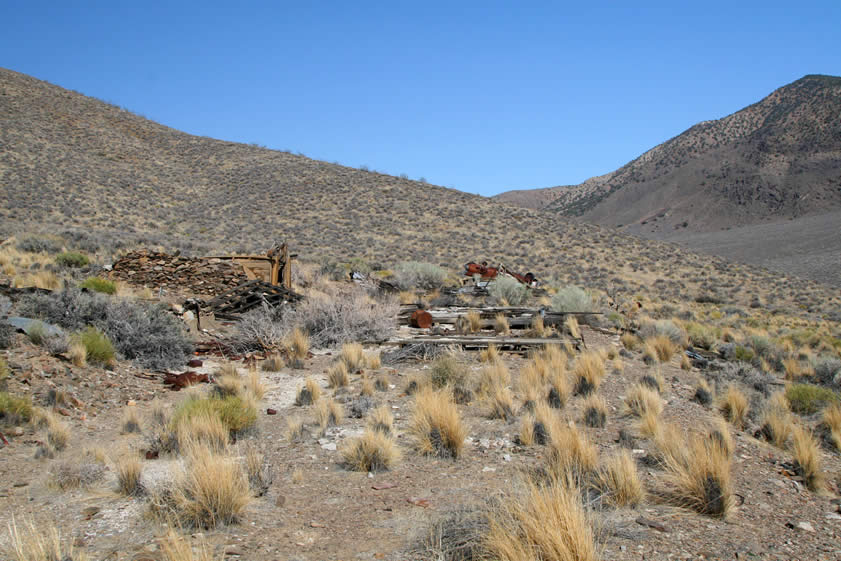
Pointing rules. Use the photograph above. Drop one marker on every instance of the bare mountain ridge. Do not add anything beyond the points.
(73, 163)
(779, 158)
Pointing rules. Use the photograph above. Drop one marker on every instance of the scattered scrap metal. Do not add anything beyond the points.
(487, 272)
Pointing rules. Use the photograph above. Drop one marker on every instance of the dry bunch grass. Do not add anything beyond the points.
(381, 419)
(203, 428)
(570, 452)
(618, 481)
(571, 325)
(254, 385)
(491, 354)
(697, 471)
(436, 424)
(130, 422)
(776, 426)
(273, 363)
(299, 345)
(58, 433)
(501, 403)
(588, 372)
(538, 328)
(559, 389)
(328, 413)
(501, 326)
(494, 375)
(128, 469)
(309, 393)
(630, 341)
(373, 451)
(338, 376)
(211, 489)
(734, 406)
(474, 321)
(353, 357)
(659, 348)
(31, 543)
(641, 399)
(367, 387)
(77, 353)
(294, 429)
(831, 420)
(542, 521)
(807, 458)
(175, 548)
(595, 411)
(373, 360)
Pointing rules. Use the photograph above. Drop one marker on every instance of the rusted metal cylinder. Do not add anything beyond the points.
(421, 319)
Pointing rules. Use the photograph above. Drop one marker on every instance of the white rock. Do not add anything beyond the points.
(487, 469)
(833, 516)
(507, 457)
(805, 526)
(329, 446)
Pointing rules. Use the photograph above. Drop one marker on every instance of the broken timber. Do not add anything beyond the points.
(247, 296)
(480, 341)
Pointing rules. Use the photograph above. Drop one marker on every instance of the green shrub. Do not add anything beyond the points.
(97, 284)
(72, 259)
(742, 353)
(572, 299)
(509, 289)
(235, 413)
(98, 346)
(37, 333)
(446, 370)
(701, 336)
(14, 410)
(807, 398)
(424, 276)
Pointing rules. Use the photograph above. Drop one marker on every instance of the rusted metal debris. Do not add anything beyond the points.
(178, 382)
(487, 272)
(420, 319)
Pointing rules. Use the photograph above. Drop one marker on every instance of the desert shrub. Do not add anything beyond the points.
(738, 353)
(828, 371)
(381, 420)
(145, 333)
(259, 471)
(7, 335)
(98, 347)
(262, 326)
(572, 299)
(40, 543)
(333, 319)
(130, 423)
(806, 399)
(508, 289)
(375, 450)
(618, 481)
(665, 328)
(831, 424)
(39, 244)
(72, 259)
(701, 335)
(14, 410)
(776, 426)
(414, 275)
(328, 413)
(97, 284)
(541, 521)
(436, 424)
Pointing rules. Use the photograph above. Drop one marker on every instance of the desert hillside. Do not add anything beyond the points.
(71, 163)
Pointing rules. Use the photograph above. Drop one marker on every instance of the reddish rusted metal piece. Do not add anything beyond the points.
(179, 381)
(420, 319)
(472, 269)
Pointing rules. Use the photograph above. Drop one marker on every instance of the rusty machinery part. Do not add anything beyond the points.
(420, 319)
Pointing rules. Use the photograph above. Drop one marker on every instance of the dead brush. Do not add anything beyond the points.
(641, 399)
(588, 373)
(501, 326)
(570, 452)
(618, 481)
(381, 420)
(128, 469)
(328, 413)
(373, 451)
(595, 411)
(337, 375)
(352, 357)
(541, 521)
(73, 474)
(436, 424)
(734, 406)
(309, 393)
(697, 474)
(42, 543)
(157, 415)
(130, 422)
(211, 489)
(807, 458)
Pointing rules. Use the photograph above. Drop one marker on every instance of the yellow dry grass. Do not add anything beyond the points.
(807, 458)
(571, 325)
(474, 321)
(175, 548)
(77, 353)
(490, 354)
(273, 363)
(40, 543)
(352, 356)
(493, 375)
(299, 345)
(618, 481)
(337, 375)
(373, 451)
(308, 393)
(570, 452)
(328, 413)
(660, 348)
(128, 469)
(831, 419)
(501, 326)
(542, 521)
(436, 424)
(588, 372)
(381, 419)
(734, 406)
(642, 399)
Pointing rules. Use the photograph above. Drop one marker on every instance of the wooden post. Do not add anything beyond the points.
(275, 274)
(287, 266)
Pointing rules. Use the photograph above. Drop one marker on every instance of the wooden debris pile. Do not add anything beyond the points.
(201, 276)
(247, 296)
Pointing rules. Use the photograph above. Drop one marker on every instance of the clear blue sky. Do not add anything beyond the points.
(480, 96)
